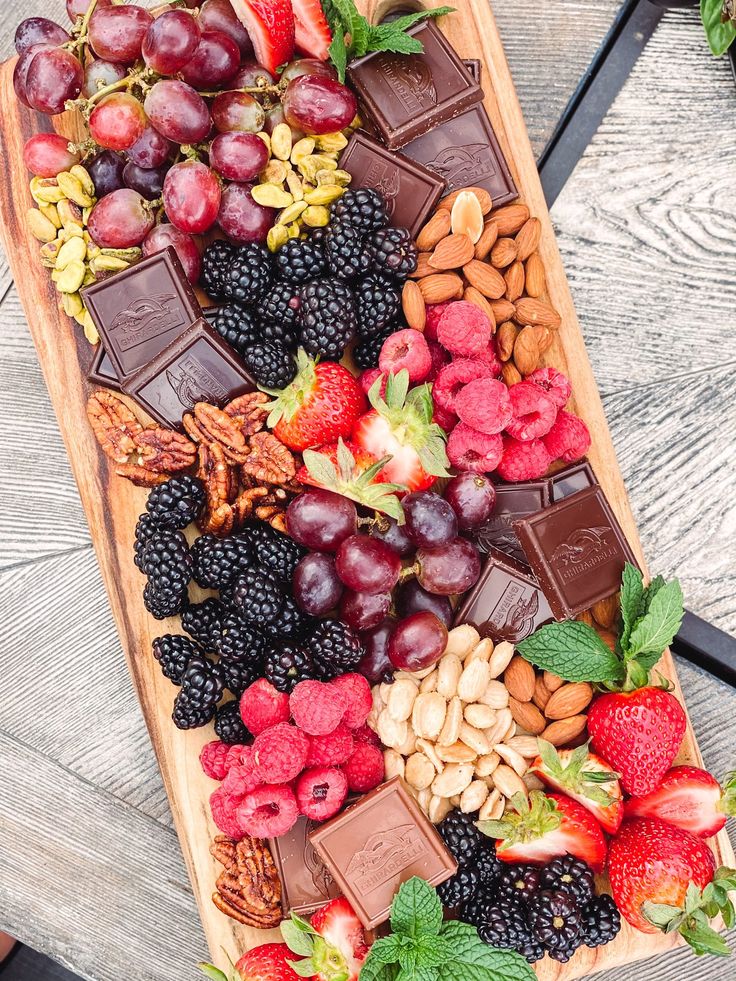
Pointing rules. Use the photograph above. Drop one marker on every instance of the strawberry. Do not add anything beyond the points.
(334, 942)
(586, 778)
(313, 35)
(639, 733)
(400, 426)
(270, 26)
(268, 962)
(689, 798)
(652, 861)
(322, 403)
(363, 460)
(545, 826)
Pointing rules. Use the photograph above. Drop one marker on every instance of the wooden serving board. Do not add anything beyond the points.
(112, 504)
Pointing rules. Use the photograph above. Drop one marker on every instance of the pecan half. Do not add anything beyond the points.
(115, 427)
(140, 476)
(216, 474)
(193, 429)
(164, 450)
(218, 427)
(249, 888)
(269, 461)
(249, 412)
(219, 521)
(246, 502)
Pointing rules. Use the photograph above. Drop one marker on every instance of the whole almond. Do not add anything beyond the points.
(485, 278)
(503, 310)
(474, 296)
(563, 731)
(605, 611)
(510, 374)
(545, 338)
(466, 216)
(484, 199)
(423, 267)
(434, 231)
(487, 240)
(527, 238)
(510, 218)
(519, 678)
(503, 253)
(505, 339)
(514, 277)
(608, 637)
(552, 681)
(536, 280)
(526, 351)
(569, 700)
(452, 252)
(536, 313)
(440, 287)
(586, 617)
(528, 716)
(541, 693)
(413, 305)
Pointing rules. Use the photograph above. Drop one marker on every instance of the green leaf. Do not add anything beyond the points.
(373, 970)
(305, 968)
(386, 949)
(416, 909)
(720, 35)
(572, 650)
(417, 973)
(632, 600)
(212, 972)
(489, 964)
(660, 914)
(296, 938)
(397, 43)
(432, 950)
(705, 940)
(408, 20)
(656, 629)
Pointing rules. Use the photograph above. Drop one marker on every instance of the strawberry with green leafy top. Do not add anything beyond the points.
(689, 798)
(586, 778)
(268, 962)
(333, 944)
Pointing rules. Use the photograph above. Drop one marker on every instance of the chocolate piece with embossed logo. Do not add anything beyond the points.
(306, 882)
(411, 191)
(572, 479)
(101, 370)
(199, 366)
(378, 843)
(577, 551)
(142, 309)
(404, 96)
(506, 603)
(512, 501)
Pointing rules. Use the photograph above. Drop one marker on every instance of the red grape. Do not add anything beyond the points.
(252, 75)
(151, 149)
(147, 181)
(183, 244)
(170, 41)
(38, 30)
(388, 530)
(238, 156)
(191, 196)
(106, 171)
(307, 66)
(367, 565)
(362, 611)
(120, 220)
(450, 569)
(375, 664)
(54, 75)
(116, 33)
(218, 15)
(177, 111)
(237, 111)
(47, 154)
(318, 105)
(214, 62)
(430, 521)
(472, 497)
(117, 121)
(417, 642)
(98, 74)
(320, 519)
(20, 72)
(316, 588)
(412, 598)
(78, 8)
(241, 218)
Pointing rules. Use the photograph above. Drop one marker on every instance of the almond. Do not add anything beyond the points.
(503, 253)
(514, 277)
(452, 252)
(503, 310)
(541, 693)
(544, 337)
(585, 617)
(466, 216)
(505, 337)
(526, 351)
(413, 305)
(605, 611)
(510, 374)
(423, 266)
(485, 243)
(536, 313)
(510, 218)
(536, 280)
(434, 231)
(552, 681)
(485, 278)
(519, 678)
(528, 716)
(565, 730)
(484, 199)
(569, 700)
(440, 287)
(527, 238)
(474, 296)
(608, 638)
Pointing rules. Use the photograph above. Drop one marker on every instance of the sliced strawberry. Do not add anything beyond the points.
(689, 798)
(363, 460)
(545, 826)
(270, 26)
(586, 778)
(337, 923)
(313, 35)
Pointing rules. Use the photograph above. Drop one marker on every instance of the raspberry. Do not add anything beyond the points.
(453, 377)
(364, 734)
(439, 357)
(280, 753)
(268, 811)
(321, 792)
(368, 378)
(464, 329)
(364, 769)
(468, 449)
(554, 383)
(523, 461)
(534, 412)
(489, 357)
(240, 780)
(214, 759)
(435, 312)
(262, 706)
(568, 439)
(317, 707)
(332, 749)
(484, 404)
(444, 418)
(356, 693)
(406, 349)
(239, 755)
(224, 807)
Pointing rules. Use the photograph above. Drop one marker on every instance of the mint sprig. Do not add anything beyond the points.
(691, 920)
(719, 22)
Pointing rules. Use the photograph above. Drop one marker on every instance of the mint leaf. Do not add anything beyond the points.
(632, 600)
(408, 20)
(720, 36)
(572, 650)
(493, 965)
(398, 43)
(416, 909)
(432, 951)
(417, 973)
(373, 970)
(338, 51)
(656, 629)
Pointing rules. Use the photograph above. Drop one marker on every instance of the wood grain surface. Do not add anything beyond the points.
(60, 637)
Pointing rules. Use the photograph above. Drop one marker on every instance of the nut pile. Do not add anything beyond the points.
(249, 888)
(488, 257)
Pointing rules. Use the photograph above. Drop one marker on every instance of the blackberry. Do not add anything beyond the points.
(217, 561)
(477, 909)
(556, 920)
(571, 875)
(201, 690)
(459, 888)
(361, 207)
(250, 274)
(299, 261)
(287, 665)
(346, 254)
(278, 552)
(203, 622)
(236, 325)
(378, 302)
(239, 641)
(145, 527)
(163, 603)
(393, 252)
(517, 882)
(239, 675)
(505, 925)
(215, 266)
(229, 726)
(257, 595)
(327, 318)
(368, 349)
(601, 921)
(281, 306)
(488, 865)
(272, 365)
(459, 833)
(186, 716)
(334, 648)
(173, 652)
(176, 503)
(167, 561)
(291, 623)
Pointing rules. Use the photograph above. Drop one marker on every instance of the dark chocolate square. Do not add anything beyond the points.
(512, 501)
(101, 371)
(473, 66)
(306, 882)
(569, 481)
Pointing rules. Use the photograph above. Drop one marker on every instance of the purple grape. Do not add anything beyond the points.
(316, 587)
(388, 530)
(106, 171)
(411, 597)
(375, 664)
(148, 182)
(38, 30)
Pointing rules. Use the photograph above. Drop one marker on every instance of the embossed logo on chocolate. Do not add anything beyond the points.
(385, 855)
(146, 317)
(584, 549)
(411, 80)
(386, 179)
(499, 533)
(462, 166)
(193, 383)
(321, 875)
(513, 615)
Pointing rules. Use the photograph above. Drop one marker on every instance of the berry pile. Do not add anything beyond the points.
(317, 293)
(301, 753)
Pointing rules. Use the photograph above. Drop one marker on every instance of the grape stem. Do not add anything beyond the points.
(409, 572)
(249, 90)
(82, 29)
